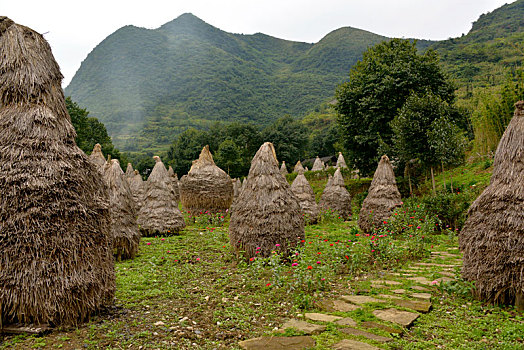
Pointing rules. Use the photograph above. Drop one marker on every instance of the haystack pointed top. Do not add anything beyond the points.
(283, 168)
(317, 165)
(97, 157)
(264, 161)
(298, 167)
(204, 159)
(338, 179)
(129, 171)
(341, 162)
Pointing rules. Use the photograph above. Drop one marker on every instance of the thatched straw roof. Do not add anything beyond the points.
(383, 197)
(206, 187)
(174, 183)
(283, 169)
(137, 187)
(266, 212)
(336, 197)
(130, 172)
(306, 198)
(317, 165)
(124, 227)
(298, 167)
(56, 263)
(97, 157)
(341, 162)
(492, 239)
(159, 213)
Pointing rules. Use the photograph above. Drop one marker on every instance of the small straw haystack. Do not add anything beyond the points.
(56, 264)
(206, 187)
(298, 168)
(130, 172)
(306, 198)
(341, 162)
(383, 197)
(266, 216)
(492, 239)
(97, 157)
(124, 227)
(159, 213)
(283, 169)
(237, 186)
(317, 165)
(174, 181)
(137, 187)
(336, 197)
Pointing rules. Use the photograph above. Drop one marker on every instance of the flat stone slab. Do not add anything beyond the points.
(433, 264)
(404, 318)
(371, 324)
(421, 280)
(348, 344)
(337, 305)
(368, 335)
(417, 305)
(446, 273)
(387, 296)
(386, 283)
(399, 291)
(422, 289)
(423, 296)
(346, 321)
(278, 343)
(360, 299)
(321, 317)
(303, 326)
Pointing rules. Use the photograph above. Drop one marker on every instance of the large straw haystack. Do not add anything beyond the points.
(174, 183)
(306, 198)
(159, 213)
(341, 162)
(283, 169)
(492, 239)
(97, 157)
(317, 165)
(130, 172)
(56, 264)
(137, 186)
(266, 214)
(383, 197)
(336, 197)
(206, 187)
(124, 227)
(298, 167)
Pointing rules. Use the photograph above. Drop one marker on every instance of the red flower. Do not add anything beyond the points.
(268, 285)
(310, 267)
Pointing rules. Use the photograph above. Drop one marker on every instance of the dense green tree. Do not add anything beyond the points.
(290, 138)
(378, 87)
(186, 148)
(228, 158)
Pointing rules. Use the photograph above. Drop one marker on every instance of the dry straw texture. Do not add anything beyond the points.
(124, 227)
(283, 169)
(306, 198)
(341, 162)
(383, 197)
(336, 196)
(266, 212)
(130, 172)
(174, 183)
(56, 263)
(298, 167)
(492, 239)
(206, 187)
(137, 186)
(317, 165)
(97, 157)
(159, 213)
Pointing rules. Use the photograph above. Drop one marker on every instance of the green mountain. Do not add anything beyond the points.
(147, 86)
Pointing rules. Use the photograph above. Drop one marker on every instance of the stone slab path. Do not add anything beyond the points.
(395, 300)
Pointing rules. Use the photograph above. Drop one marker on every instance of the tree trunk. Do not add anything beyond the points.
(410, 187)
(433, 182)
(443, 176)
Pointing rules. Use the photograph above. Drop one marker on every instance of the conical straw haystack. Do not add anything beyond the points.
(130, 172)
(159, 213)
(137, 186)
(383, 197)
(283, 169)
(206, 187)
(306, 198)
(492, 239)
(336, 196)
(298, 167)
(97, 157)
(174, 183)
(266, 215)
(237, 186)
(317, 165)
(124, 227)
(56, 263)
(341, 162)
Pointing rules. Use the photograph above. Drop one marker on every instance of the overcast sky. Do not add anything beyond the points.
(74, 28)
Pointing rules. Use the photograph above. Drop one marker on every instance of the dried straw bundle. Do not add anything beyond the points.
(306, 198)
(174, 183)
(341, 162)
(56, 264)
(298, 167)
(237, 186)
(97, 157)
(159, 213)
(137, 187)
(492, 239)
(336, 197)
(317, 165)
(130, 172)
(266, 212)
(206, 187)
(383, 197)
(283, 169)
(124, 227)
